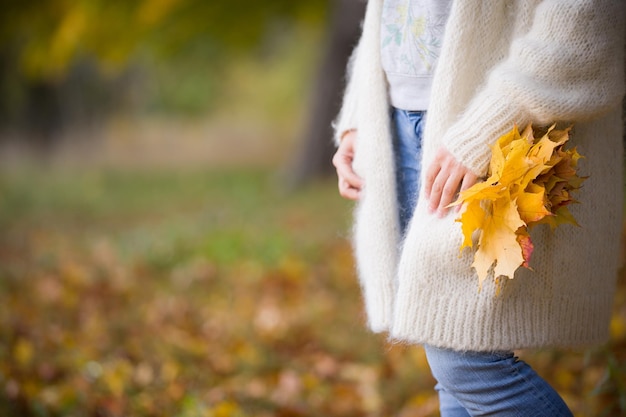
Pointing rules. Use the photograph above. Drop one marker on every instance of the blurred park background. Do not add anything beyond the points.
(171, 241)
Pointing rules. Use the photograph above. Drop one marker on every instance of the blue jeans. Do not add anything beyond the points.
(408, 128)
(468, 383)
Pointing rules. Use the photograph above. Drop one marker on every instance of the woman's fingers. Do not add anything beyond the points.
(348, 191)
(347, 174)
(350, 184)
(445, 177)
(431, 176)
(468, 180)
(450, 191)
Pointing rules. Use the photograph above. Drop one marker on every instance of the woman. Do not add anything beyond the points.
(500, 63)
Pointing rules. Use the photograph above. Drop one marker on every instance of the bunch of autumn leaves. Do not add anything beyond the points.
(530, 182)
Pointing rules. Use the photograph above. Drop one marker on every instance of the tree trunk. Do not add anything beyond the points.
(313, 158)
(43, 118)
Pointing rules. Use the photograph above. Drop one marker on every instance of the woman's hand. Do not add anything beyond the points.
(350, 183)
(444, 179)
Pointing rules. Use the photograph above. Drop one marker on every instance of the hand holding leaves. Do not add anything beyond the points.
(530, 182)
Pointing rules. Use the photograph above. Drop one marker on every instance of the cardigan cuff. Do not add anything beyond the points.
(487, 118)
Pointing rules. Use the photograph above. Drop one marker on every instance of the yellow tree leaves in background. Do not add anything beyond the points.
(67, 64)
(50, 36)
(530, 182)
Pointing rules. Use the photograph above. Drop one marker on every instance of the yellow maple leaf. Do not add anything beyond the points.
(472, 218)
(531, 204)
(530, 182)
(498, 242)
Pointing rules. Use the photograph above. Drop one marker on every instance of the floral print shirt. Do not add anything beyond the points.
(411, 37)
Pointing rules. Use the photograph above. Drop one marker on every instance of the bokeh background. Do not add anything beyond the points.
(171, 239)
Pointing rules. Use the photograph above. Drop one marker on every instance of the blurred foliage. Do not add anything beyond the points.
(270, 82)
(74, 63)
(47, 36)
(205, 293)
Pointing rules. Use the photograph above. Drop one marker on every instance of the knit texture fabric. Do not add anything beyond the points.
(502, 63)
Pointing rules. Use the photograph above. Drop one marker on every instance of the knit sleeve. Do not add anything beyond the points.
(346, 120)
(569, 66)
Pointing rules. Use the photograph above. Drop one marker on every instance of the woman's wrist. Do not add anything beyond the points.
(346, 133)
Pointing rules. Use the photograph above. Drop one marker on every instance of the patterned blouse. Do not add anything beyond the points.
(411, 36)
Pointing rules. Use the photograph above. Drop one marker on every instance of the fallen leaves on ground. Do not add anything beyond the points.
(211, 294)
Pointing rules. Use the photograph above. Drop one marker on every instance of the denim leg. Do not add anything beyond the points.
(448, 405)
(407, 144)
(493, 384)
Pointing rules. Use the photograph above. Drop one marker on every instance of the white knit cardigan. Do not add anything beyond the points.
(502, 62)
